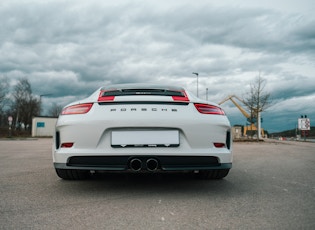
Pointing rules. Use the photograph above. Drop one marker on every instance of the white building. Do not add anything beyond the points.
(43, 126)
(237, 132)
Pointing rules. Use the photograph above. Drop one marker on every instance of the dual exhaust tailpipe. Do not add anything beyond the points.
(137, 164)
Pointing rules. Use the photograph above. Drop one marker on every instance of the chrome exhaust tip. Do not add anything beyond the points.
(152, 164)
(135, 164)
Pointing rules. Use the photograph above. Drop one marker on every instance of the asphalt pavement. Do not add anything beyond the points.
(271, 186)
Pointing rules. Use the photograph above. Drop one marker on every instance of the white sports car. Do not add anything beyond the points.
(142, 128)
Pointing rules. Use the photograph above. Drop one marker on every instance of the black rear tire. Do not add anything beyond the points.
(215, 174)
(72, 174)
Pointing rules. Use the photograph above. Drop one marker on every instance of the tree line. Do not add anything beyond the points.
(21, 104)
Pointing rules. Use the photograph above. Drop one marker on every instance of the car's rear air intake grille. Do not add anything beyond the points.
(166, 162)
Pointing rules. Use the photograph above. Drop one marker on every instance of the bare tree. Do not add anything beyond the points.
(55, 110)
(4, 89)
(25, 105)
(4, 85)
(257, 101)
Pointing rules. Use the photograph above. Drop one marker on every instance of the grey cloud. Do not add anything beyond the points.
(71, 48)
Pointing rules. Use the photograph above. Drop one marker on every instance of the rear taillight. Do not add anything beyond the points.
(209, 109)
(184, 97)
(77, 109)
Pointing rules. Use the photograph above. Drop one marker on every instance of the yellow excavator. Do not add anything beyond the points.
(252, 126)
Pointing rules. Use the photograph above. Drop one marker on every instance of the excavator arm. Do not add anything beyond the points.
(252, 125)
(236, 104)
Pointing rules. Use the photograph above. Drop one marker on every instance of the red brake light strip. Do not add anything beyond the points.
(181, 98)
(101, 97)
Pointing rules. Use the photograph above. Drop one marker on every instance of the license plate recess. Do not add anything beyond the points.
(145, 138)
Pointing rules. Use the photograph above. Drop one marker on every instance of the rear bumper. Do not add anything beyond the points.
(122, 163)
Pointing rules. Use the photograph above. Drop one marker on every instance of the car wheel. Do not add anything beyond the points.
(213, 174)
(72, 174)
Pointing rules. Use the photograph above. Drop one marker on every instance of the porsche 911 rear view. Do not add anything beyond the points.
(142, 128)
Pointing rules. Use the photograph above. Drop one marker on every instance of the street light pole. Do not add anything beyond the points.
(207, 94)
(197, 83)
(40, 101)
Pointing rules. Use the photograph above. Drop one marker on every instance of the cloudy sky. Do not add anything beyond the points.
(70, 48)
